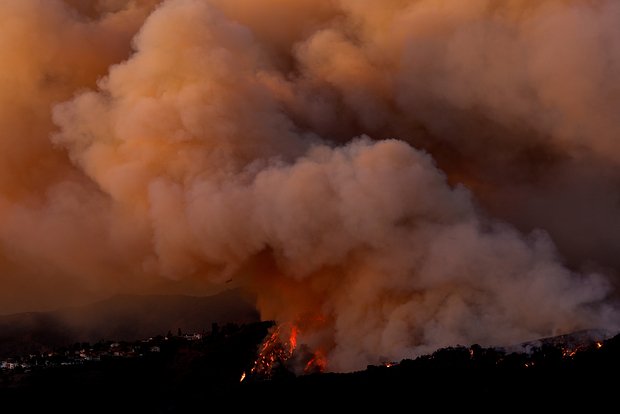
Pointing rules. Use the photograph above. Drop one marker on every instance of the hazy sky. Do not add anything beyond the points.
(390, 175)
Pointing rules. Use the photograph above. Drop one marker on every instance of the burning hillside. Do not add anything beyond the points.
(280, 351)
(570, 344)
(199, 373)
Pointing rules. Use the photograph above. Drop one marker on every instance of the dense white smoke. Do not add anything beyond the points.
(390, 176)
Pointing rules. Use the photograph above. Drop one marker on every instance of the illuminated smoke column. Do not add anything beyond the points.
(388, 177)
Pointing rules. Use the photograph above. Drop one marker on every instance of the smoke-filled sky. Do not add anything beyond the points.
(391, 176)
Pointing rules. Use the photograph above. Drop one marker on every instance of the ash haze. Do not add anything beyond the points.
(391, 176)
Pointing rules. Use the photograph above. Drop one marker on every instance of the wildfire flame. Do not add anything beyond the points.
(317, 363)
(278, 348)
(274, 351)
(569, 353)
(293, 338)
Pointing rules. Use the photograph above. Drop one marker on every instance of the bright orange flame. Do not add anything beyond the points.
(272, 352)
(279, 347)
(293, 338)
(275, 350)
(599, 345)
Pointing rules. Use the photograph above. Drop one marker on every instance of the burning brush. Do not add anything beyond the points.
(280, 351)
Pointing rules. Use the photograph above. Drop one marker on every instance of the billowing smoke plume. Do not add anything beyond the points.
(390, 176)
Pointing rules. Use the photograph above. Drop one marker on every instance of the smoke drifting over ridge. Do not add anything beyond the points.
(392, 176)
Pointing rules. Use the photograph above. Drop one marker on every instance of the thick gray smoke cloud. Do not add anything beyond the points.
(389, 176)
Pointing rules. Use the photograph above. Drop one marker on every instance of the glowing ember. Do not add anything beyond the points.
(390, 364)
(568, 353)
(242, 377)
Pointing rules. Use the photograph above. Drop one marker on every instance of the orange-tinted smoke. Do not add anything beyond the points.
(390, 176)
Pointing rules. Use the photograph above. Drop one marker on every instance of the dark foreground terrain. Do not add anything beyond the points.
(180, 373)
